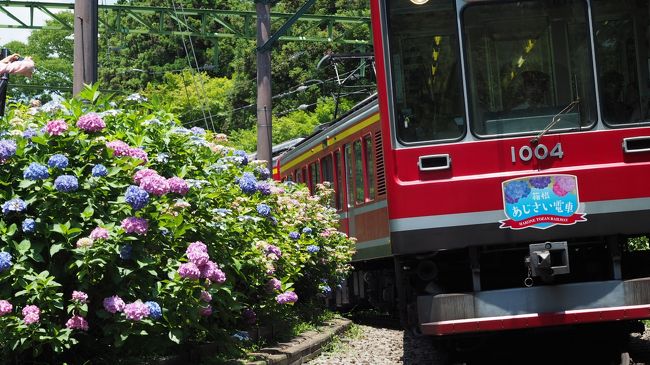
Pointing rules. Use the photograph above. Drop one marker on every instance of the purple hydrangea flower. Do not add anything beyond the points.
(294, 235)
(5, 261)
(287, 297)
(212, 272)
(136, 197)
(99, 233)
(135, 225)
(248, 183)
(197, 130)
(91, 122)
(155, 184)
(99, 170)
(313, 248)
(66, 183)
(113, 304)
(58, 161)
(263, 172)
(120, 148)
(189, 270)
(242, 157)
(540, 182)
(29, 133)
(155, 311)
(29, 225)
(273, 250)
(306, 230)
(263, 210)
(205, 296)
(36, 171)
(138, 153)
(263, 187)
(249, 316)
(7, 148)
(16, 205)
(274, 285)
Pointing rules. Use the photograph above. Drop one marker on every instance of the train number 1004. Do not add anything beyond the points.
(540, 152)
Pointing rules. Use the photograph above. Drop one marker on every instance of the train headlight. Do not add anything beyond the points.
(419, 2)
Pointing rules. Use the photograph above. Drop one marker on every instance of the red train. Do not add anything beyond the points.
(501, 175)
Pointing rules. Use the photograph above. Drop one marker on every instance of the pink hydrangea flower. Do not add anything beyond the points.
(138, 153)
(31, 314)
(77, 322)
(199, 258)
(136, 311)
(205, 296)
(212, 272)
(135, 225)
(56, 127)
(119, 148)
(79, 296)
(141, 174)
(189, 271)
(206, 311)
(197, 246)
(113, 304)
(178, 185)
(99, 233)
(5, 307)
(91, 122)
(155, 184)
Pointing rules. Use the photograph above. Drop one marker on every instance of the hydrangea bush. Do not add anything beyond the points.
(124, 233)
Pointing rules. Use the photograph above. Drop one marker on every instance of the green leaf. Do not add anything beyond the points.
(175, 335)
(88, 212)
(55, 248)
(23, 247)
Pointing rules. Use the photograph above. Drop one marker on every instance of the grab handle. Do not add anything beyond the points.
(636, 144)
(434, 162)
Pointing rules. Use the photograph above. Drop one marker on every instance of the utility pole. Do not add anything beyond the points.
(85, 44)
(4, 84)
(264, 144)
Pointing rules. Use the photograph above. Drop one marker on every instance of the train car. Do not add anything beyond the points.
(500, 180)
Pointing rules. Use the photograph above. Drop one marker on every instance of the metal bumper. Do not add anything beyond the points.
(542, 306)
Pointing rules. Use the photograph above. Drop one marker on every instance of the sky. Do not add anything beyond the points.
(10, 34)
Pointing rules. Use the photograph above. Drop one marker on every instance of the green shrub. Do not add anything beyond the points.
(132, 238)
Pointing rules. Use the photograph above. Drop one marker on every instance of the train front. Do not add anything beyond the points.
(518, 163)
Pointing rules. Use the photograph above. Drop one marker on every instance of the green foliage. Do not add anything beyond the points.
(638, 243)
(254, 229)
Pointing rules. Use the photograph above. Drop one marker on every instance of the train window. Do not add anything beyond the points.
(370, 166)
(314, 176)
(328, 175)
(622, 34)
(339, 179)
(529, 64)
(427, 87)
(360, 194)
(349, 172)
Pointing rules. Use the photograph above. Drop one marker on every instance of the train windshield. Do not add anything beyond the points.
(622, 35)
(529, 64)
(426, 72)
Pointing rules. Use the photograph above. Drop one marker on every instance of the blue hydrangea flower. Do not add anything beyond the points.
(162, 157)
(294, 235)
(66, 183)
(241, 156)
(263, 209)
(99, 170)
(326, 289)
(154, 309)
(248, 183)
(198, 131)
(313, 248)
(264, 187)
(14, 205)
(241, 336)
(306, 230)
(58, 161)
(222, 211)
(29, 133)
(137, 197)
(126, 252)
(7, 148)
(5, 261)
(36, 171)
(29, 225)
(263, 172)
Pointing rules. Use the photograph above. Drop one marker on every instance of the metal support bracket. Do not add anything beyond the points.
(285, 27)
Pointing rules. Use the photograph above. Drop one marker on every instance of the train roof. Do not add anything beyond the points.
(324, 129)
